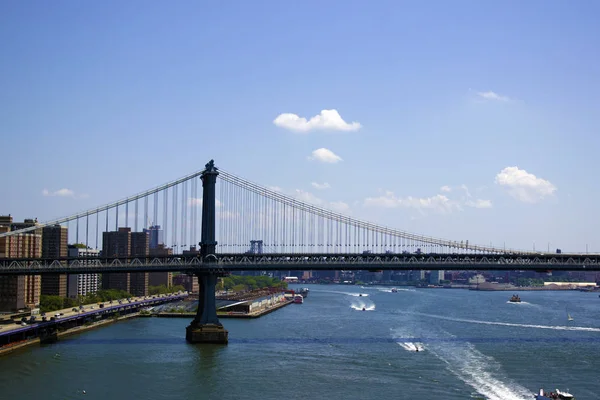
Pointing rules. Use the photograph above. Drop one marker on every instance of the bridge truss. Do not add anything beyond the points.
(224, 263)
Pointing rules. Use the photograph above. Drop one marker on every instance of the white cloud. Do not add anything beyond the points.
(339, 206)
(274, 188)
(307, 197)
(489, 95)
(325, 155)
(320, 186)
(524, 186)
(479, 203)
(63, 193)
(438, 203)
(326, 120)
(227, 215)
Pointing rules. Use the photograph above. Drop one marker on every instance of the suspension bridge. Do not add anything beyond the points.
(260, 229)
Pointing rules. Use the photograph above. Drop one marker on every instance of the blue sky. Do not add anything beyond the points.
(107, 99)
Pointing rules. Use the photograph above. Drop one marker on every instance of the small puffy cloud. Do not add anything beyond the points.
(493, 96)
(307, 197)
(479, 203)
(320, 186)
(326, 120)
(475, 203)
(523, 185)
(60, 193)
(446, 189)
(325, 155)
(438, 203)
(339, 206)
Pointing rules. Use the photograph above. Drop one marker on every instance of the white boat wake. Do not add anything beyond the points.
(346, 293)
(553, 327)
(483, 373)
(398, 290)
(410, 346)
(362, 306)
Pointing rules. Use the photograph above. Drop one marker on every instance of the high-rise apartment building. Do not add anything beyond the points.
(435, 277)
(116, 244)
(19, 292)
(82, 284)
(140, 247)
(124, 243)
(155, 236)
(54, 245)
(160, 278)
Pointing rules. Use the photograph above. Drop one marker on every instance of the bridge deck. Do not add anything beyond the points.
(224, 263)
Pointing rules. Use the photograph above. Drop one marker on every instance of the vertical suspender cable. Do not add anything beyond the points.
(135, 216)
(165, 216)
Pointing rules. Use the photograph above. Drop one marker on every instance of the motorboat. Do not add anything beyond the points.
(515, 298)
(558, 395)
(394, 290)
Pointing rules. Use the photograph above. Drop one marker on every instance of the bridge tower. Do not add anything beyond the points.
(206, 327)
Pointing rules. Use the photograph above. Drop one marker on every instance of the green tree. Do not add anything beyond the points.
(51, 303)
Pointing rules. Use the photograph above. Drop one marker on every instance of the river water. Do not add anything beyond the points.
(473, 345)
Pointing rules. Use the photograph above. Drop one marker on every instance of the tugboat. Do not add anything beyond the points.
(558, 395)
(394, 290)
(515, 298)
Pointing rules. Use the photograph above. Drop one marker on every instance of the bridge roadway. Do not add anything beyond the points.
(88, 310)
(223, 263)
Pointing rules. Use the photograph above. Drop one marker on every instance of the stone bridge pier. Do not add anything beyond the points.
(206, 328)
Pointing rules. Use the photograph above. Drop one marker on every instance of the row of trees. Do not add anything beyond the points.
(163, 289)
(239, 283)
(53, 303)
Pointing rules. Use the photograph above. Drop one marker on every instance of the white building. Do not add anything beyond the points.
(82, 284)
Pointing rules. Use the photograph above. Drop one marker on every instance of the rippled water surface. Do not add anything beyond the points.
(471, 345)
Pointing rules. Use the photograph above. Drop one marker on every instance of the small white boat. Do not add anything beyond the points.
(298, 299)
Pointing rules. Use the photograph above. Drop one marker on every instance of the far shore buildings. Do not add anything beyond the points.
(124, 243)
(54, 245)
(82, 284)
(20, 292)
(160, 278)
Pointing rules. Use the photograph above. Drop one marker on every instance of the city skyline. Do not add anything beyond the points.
(438, 121)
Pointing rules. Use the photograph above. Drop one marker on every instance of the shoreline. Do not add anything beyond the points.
(16, 346)
(12, 347)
